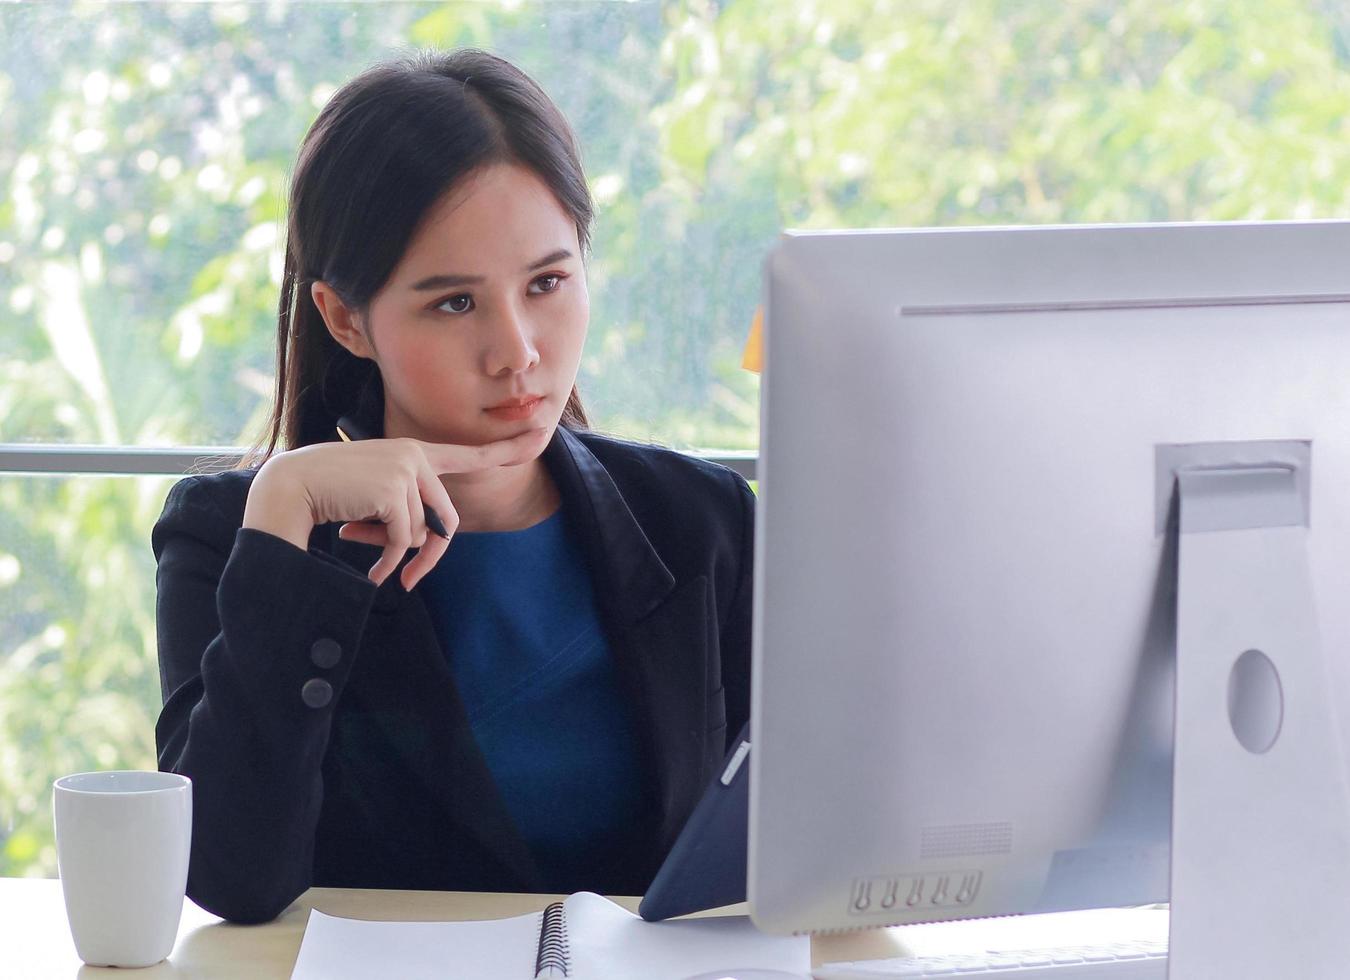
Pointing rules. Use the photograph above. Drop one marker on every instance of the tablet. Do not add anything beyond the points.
(706, 867)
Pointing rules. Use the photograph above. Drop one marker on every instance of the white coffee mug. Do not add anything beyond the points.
(122, 845)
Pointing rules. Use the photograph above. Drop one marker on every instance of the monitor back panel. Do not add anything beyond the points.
(962, 699)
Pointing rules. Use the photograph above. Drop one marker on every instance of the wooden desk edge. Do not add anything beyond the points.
(33, 911)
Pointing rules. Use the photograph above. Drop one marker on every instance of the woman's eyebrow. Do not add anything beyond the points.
(446, 281)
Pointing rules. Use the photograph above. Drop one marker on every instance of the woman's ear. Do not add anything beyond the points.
(341, 321)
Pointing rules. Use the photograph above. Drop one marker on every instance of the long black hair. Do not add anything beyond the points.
(381, 152)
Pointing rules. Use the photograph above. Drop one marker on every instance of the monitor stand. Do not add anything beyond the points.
(1260, 877)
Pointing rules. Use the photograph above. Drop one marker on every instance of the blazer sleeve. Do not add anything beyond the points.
(735, 639)
(246, 622)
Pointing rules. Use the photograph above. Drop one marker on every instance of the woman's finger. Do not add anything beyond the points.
(364, 532)
(399, 528)
(445, 457)
(435, 499)
(434, 496)
(417, 516)
(425, 560)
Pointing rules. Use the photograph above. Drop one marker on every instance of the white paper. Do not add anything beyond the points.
(606, 940)
(335, 948)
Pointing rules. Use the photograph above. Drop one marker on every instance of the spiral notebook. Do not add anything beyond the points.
(584, 937)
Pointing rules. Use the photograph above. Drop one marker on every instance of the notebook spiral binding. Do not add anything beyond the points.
(553, 951)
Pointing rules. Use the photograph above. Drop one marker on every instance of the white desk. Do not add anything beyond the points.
(35, 941)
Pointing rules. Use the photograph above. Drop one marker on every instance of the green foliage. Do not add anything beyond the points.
(145, 150)
(78, 679)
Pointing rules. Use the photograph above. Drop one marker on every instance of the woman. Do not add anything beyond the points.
(533, 702)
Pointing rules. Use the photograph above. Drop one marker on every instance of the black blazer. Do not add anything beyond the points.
(318, 720)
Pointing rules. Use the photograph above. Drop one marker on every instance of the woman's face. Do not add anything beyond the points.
(487, 306)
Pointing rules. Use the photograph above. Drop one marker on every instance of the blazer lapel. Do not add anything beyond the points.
(659, 632)
(664, 661)
(401, 679)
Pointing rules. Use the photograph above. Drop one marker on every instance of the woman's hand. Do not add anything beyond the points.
(375, 480)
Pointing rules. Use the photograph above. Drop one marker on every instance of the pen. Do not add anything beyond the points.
(350, 431)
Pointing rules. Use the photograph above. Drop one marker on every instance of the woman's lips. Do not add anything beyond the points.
(515, 411)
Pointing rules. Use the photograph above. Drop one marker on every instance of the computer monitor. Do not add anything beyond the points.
(967, 599)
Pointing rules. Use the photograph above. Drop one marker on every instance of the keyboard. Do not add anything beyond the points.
(1133, 960)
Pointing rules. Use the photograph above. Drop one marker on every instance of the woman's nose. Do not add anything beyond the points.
(512, 349)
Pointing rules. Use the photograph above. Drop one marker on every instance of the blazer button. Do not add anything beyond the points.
(317, 692)
(325, 653)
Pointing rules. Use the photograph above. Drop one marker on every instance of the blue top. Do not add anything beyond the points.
(515, 613)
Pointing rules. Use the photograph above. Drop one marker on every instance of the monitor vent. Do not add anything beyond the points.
(958, 840)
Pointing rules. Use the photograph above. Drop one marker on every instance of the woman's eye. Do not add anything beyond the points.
(460, 303)
(546, 284)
